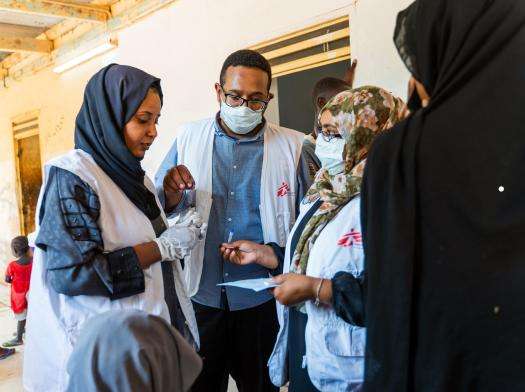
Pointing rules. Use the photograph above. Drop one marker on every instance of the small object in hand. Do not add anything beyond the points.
(237, 249)
(230, 237)
(191, 198)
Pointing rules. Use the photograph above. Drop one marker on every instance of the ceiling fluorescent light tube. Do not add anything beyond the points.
(83, 57)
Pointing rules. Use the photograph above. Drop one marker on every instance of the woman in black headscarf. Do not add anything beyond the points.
(101, 231)
(445, 268)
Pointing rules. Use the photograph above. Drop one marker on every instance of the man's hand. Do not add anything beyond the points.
(248, 252)
(294, 288)
(177, 180)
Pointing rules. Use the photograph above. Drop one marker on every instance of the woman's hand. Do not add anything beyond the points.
(294, 288)
(178, 240)
(248, 252)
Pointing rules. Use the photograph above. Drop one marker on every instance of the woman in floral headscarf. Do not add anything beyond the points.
(326, 239)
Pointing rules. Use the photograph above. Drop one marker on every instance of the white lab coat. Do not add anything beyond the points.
(282, 152)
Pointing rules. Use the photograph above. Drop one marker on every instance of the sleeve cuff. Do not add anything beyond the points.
(126, 274)
(279, 253)
(348, 298)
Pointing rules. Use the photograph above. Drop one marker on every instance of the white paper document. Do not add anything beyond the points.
(252, 284)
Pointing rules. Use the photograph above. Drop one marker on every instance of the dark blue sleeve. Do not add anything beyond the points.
(349, 297)
(69, 234)
(279, 253)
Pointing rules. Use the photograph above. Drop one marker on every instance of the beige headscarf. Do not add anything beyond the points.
(360, 116)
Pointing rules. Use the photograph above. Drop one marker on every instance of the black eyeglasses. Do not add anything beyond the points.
(327, 137)
(234, 101)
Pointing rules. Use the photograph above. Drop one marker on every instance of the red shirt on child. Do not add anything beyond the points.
(19, 275)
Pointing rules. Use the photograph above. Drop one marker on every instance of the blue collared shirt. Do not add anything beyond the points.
(236, 183)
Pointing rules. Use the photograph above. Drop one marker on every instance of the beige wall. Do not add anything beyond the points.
(185, 45)
(57, 99)
(372, 25)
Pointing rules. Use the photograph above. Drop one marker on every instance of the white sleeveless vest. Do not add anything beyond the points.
(282, 151)
(334, 349)
(54, 320)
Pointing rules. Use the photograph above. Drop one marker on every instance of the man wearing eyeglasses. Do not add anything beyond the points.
(246, 178)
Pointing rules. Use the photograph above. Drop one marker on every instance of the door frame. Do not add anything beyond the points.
(23, 126)
(327, 56)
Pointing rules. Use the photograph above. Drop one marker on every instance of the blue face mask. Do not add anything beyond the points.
(331, 154)
(241, 120)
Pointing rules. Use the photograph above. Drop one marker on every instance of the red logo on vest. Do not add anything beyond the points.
(283, 190)
(350, 239)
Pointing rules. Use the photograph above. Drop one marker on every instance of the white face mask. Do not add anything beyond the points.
(331, 154)
(241, 120)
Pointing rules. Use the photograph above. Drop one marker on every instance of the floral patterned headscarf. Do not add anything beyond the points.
(360, 115)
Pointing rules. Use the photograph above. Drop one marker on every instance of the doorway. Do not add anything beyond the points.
(298, 60)
(28, 169)
(296, 107)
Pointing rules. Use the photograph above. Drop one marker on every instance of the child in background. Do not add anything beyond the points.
(18, 274)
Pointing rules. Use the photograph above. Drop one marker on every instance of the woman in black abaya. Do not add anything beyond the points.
(445, 305)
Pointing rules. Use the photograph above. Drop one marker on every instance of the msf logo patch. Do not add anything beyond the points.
(283, 190)
(353, 238)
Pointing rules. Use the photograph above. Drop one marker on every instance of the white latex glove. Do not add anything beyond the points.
(177, 241)
(189, 217)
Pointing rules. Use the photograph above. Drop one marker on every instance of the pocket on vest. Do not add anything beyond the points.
(345, 341)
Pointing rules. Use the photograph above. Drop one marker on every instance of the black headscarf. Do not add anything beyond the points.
(112, 97)
(444, 208)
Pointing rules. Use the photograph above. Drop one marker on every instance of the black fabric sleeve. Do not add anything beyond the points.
(279, 253)
(70, 236)
(348, 297)
(304, 180)
(126, 273)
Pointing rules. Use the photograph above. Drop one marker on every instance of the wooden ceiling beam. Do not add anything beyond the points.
(20, 30)
(57, 9)
(70, 36)
(52, 34)
(25, 45)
